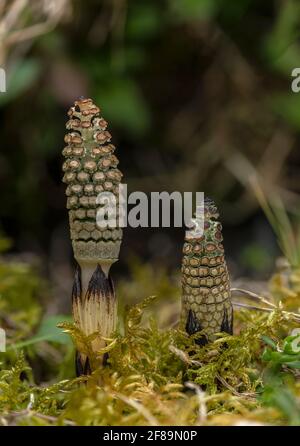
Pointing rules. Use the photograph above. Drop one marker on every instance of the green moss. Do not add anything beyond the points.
(155, 375)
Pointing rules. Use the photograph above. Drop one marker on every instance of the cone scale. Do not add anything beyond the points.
(206, 299)
(90, 168)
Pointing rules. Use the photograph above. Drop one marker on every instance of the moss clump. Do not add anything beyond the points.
(154, 375)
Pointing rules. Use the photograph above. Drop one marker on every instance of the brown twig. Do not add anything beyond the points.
(247, 395)
(294, 316)
(253, 296)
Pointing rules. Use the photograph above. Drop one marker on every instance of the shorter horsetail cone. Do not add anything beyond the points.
(206, 299)
(90, 168)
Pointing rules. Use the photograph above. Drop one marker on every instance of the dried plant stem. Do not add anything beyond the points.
(183, 356)
(29, 413)
(139, 408)
(15, 22)
(248, 395)
(202, 412)
(257, 298)
(251, 307)
(253, 296)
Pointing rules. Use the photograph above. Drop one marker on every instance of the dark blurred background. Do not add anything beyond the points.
(197, 94)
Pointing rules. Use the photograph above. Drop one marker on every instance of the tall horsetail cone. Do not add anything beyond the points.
(206, 299)
(90, 167)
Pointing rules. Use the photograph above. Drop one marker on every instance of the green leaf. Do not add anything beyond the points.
(294, 364)
(269, 341)
(290, 346)
(281, 357)
(281, 48)
(20, 77)
(278, 357)
(288, 405)
(122, 103)
(47, 332)
(49, 329)
(266, 356)
(143, 22)
(287, 106)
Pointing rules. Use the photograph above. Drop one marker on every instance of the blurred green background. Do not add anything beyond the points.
(197, 94)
